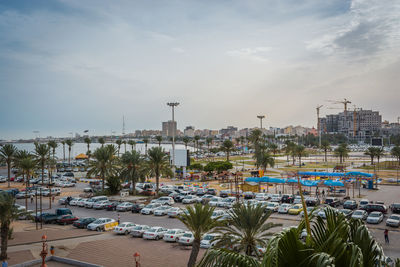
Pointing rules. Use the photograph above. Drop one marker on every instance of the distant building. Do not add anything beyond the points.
(389, 129)
(189, 131)
(168, 128)
(229, 131)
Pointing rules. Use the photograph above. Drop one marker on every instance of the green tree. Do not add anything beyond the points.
(227, 147)
(114, 185)
(198, 220)
(255, 137)
(300, 152)
(88, 141)
(63, 144)
(159, 139)
(103, 164)
(246, 228)
(69, 144)
(325, 146)
(264, 159)
(132, 167)
(41, 155)
(7, 154)
(53, 145)
(396, 153)
(342, 152)
(145, 141)
(8, 213)
(119, 143)
(158, 164)
(196, 144)
(186, 141)
(209, 141)
(132, 143)
(379, 153)
(124, 142)
(26, 165)
(371, 152)
(101, 141)
(273, 148)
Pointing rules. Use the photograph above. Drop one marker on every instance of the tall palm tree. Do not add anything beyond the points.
(7, 154)
(119, 143)
(273, 148)
(159, 139)
(263, 160)
(145, 141)
(336, 241)
(8, 213)
(88, 141)
(396, 153)
(371, 152)
(53, 145)
(342, 152)
(41, 155)
(27, 166)
(198, 220)
(124, 142)
(101, 141)
(103, 164)
(379, 153)
(300, 152)
(325, 146)
(69, 144)
(227, 147)
(132, 143)
(158, 164)
(196, 144)
(186, 141)
(246, 228)
(255, 136)
(132, 166)
(63, 144)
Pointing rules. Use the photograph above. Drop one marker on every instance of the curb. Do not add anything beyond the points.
(57, 239)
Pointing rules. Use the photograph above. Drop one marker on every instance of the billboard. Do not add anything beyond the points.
(182, 158)
(377, 141)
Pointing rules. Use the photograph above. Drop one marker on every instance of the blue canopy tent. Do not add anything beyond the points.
(333, 183)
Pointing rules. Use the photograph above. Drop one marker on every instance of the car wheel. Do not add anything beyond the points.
(157, 238)
(98, 229)
(65, 223)
(126, 232)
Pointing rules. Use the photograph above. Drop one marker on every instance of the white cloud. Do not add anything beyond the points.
(257, 53)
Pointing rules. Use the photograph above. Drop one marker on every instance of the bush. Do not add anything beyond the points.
(218, 166)
(114, 185)
(196, 166)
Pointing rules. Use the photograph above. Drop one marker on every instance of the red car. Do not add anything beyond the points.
(67, 219)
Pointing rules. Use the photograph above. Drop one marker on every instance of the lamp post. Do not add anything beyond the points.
(43, 253)
(173, 105)
(136, 256)
(261, 117)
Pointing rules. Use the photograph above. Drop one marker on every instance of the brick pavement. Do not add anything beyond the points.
(119, 252)
(19, 256)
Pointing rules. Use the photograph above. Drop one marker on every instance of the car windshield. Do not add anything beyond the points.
(138, 228)
(98, 221)
(374, 215)
(149, 206)
(348, 202)
(208, 237)
(163, 208)
(188, 235)
(395, 217)
(363, 202)
(214, 199)
(396, 206)
(123, 225)
(152, 230)
(171, 232)
(271, 205)
(358, 212)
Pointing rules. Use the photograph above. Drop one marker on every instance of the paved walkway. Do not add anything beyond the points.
(19, 256)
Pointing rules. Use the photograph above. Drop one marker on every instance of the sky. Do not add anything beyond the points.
(72, 65)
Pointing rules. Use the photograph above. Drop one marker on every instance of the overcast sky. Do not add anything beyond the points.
(71, 65)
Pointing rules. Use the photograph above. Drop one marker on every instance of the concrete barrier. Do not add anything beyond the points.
(110, 226)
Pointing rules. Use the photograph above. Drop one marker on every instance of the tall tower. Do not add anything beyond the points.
(123, 125)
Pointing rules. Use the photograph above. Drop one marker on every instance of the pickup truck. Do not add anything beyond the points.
(52, 217)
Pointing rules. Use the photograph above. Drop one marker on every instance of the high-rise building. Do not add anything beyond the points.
(168, 128)
(189, 131)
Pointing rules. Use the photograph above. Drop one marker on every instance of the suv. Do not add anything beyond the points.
(350, 204)
(374, 207)
(332, 201)
(287, 198)
(211, 191)
(395, 207)
(312, 201)
(248, 195)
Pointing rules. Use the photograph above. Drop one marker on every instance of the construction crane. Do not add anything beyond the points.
(318, 123)
(344, 102)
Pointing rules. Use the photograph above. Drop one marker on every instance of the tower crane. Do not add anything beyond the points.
(344, 102)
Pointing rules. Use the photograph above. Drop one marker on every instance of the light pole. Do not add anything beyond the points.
(261, 117)
(173, 105)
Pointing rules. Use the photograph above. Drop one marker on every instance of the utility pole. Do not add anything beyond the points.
(318, 124)
(261, 117)
(173, 105)
(123, 125)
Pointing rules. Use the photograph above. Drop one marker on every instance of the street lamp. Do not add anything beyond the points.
(261, 117)
(43, 253)
(136, 256)
(173, 105)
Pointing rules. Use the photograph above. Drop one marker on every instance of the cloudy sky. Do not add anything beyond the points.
(71, 65)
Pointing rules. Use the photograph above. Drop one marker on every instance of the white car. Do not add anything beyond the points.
(214, 201)
(173, 235)
(74, 201)
(360, 214)
(124, 228)
(375, 217)
(165, 201)
(89, 203)
(217, 213)
(186, 239)
(98, 225)
(204, 199)
(124, 206)
(138, 230)
(161, 211)
(208, 240)
(227, 202)
(100, 204)
(149, 209)
(82, 202)
(284, 208)
(189, 199)
(363, 203)
(155, 233)
(297, 200)
(276, 198)
(272, 206)
(262, 196)
(393, 220)
(174, 212)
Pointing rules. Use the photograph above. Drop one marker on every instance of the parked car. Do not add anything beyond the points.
(186, 239)
(374, 207)
(393, 220)
(262, 196)
(166, 201)
(227, 202)
(200, 192)
(284, 208)
(286, 198)
(312, 201)
(83, 222)
(217, 213)
(249, 195)
(224, 193)
(67, 219)
(272, 206)
(214, 201)
(297, 200)
(346, 212)
(74, 201)
(360, 214)
(155, 233)
(211, 191)
(82, 202)
(204, 199)
(174, 212)
(100, 205)
(161, 211)
(173, 235)
(124, 206)
(208, 240)
(395, 207)
(137, 207)
(295, 209)
(190, 199)
(99, 224)
(332, 201)
(276, 198)
(363, 203)
(375, 217)
(149, 209)
(350, 204)
(110, 206)
(124, 228)
(138, 230)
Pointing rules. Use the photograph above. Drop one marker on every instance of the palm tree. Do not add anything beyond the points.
(101, 141)
(88, 141)
(300, 152)
(132, 143)
(124, 142)
(7, 154)
(342, 152)
(119, 143)
(8, 213)
(396, 153)
(27, 166)
(198, 220)
(336, 241)
(196, 143)
(159, 139)
(132, 165)
(227, 147)
(379, 153)
(274, 148)
(263, 159)
(186, 141)
(325, 146)
(371, 152)
(41, 155)
(255, 136)
(103, 164)
(158, 164)
(246, 228)
(145, 141)
(63, 144)
(69, 144)
(53, 145)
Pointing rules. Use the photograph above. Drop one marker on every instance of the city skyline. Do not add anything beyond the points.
(68, 66)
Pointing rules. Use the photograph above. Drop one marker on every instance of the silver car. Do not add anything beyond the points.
(393, 220)
(125, 206)
(375, 217)
(138, 230)
(360, 214)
